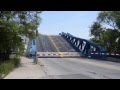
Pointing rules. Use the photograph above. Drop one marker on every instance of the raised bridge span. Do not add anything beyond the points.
(67, 45)
(54, 46)
(60, 55)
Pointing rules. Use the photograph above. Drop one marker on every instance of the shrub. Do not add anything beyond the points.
(8, 66)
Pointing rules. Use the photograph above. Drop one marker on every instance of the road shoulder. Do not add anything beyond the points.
(27, 70)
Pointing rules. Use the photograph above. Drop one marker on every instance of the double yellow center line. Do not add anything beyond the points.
(61, 54)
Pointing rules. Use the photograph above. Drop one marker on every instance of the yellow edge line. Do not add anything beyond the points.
(55, 45)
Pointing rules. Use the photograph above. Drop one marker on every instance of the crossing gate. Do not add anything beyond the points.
(57, 54)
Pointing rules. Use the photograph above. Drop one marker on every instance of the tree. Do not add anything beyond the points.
(107, 36)
(111, 18)
(96, 30)
(16, 24)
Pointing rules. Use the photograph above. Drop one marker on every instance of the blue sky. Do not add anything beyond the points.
(75, 22)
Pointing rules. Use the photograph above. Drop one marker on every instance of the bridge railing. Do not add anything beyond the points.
(85, 47)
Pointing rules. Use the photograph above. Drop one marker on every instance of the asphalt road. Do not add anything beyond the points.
(62, 44)
(72, 68)
(53, 43)
(44, 44)
(79, 68)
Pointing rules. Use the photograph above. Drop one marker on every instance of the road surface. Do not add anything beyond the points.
(53, 43)
(79, 68)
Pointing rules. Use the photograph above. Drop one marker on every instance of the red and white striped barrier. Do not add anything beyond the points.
(57, 54)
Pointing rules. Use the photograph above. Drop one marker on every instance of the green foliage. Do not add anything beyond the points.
(14, 25)
(96, 30)
(111, 18)
(104, 36)
(8, 66)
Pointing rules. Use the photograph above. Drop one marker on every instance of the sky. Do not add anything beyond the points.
(76, 23)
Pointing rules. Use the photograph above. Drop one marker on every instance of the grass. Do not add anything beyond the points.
(8, 66)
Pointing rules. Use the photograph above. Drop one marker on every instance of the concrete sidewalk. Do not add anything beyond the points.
(27, 70)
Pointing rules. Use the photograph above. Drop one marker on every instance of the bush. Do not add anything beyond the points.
(8, 66)
(16, 62)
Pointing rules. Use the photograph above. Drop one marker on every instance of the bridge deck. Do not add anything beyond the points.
(54, 46)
